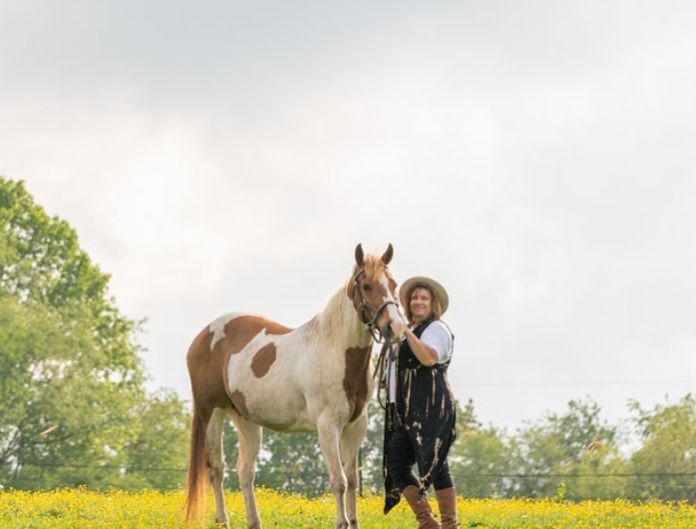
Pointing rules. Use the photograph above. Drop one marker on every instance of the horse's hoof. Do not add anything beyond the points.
(223, 524)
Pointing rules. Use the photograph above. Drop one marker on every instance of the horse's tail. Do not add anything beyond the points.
(198, 454)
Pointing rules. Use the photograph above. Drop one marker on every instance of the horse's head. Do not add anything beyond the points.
(373, 292)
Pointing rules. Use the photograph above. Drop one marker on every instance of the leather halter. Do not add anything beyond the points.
(364, 309)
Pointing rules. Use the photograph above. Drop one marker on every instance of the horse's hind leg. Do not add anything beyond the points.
(351, 439)
(216, 463)
(249, 437)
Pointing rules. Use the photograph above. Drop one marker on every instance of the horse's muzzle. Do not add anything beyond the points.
(388, 334)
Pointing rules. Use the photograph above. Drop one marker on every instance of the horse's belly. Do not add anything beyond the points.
(275, 403)
(298, 424)
(280, 411)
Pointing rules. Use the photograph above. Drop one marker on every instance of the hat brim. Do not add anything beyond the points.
(438, 290)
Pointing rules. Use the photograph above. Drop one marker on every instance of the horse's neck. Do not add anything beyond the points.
(340, 325)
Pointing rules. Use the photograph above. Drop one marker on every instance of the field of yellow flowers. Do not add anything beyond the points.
(122, 510)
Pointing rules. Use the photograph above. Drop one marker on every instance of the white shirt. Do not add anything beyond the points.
(437, 336)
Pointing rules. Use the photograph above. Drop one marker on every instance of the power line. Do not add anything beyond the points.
(464, 476)
(123, 468)
(599, 475)
(532, 384)
(564, 384)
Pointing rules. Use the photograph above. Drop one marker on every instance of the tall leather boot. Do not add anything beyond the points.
(447, 501)
(421, 508)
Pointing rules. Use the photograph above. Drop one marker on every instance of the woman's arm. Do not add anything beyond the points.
(426, 355)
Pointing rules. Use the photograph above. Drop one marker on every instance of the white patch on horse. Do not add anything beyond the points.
(395, 314)
(385, 283)
(394, 311)
(217, 328)
(244, 357)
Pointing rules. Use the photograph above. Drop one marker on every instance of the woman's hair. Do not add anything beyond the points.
(436, 306)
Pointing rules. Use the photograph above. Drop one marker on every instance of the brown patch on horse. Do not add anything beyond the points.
(205, 369)
(239, 402)
(240, 331)
(356, 379)
(263, 359)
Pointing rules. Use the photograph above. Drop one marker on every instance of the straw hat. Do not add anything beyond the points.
(410, 284)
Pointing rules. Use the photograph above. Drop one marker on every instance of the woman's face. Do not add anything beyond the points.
(421, 304)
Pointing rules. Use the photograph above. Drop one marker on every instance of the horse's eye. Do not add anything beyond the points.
(367, 287)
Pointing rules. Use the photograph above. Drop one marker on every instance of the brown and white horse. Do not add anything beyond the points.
(313, 378)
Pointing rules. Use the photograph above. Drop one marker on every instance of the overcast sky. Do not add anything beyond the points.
(537, 158)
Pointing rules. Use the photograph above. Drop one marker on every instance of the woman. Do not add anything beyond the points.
(420, 419)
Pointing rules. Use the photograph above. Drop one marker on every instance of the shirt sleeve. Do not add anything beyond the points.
(439, 338)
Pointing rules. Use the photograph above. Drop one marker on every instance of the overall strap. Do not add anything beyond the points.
(446, 364)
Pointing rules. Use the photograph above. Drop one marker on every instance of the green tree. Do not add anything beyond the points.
(668, 452)
(600, 474)
(480, 458)
(372, 449)
(60, 419)
(555, 445)
(72, 396)
(156, 456)
(293, 462)
(42, 263)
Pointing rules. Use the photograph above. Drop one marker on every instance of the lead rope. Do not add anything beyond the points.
(381, 373)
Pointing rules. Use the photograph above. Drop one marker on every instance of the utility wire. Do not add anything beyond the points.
(541, 384)
(465, 476)
(600, 475)
(565, 384)
(103, 467)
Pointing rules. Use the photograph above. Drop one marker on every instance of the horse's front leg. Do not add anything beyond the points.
(329, 440)
(351, 439)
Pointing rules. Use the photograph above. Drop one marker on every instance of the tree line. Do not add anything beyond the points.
(74, 410)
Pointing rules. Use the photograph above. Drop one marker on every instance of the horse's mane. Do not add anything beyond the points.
(374, 266)
(332, 320)
(330, 324)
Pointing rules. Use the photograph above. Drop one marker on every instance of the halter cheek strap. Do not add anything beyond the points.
(370, 323)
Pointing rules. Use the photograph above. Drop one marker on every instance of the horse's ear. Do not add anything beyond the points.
(359, 256)
(387, 257)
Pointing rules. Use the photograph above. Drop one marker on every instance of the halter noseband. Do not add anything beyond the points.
(370, 323)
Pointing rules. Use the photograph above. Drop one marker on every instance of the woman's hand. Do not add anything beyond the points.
(399, 328)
